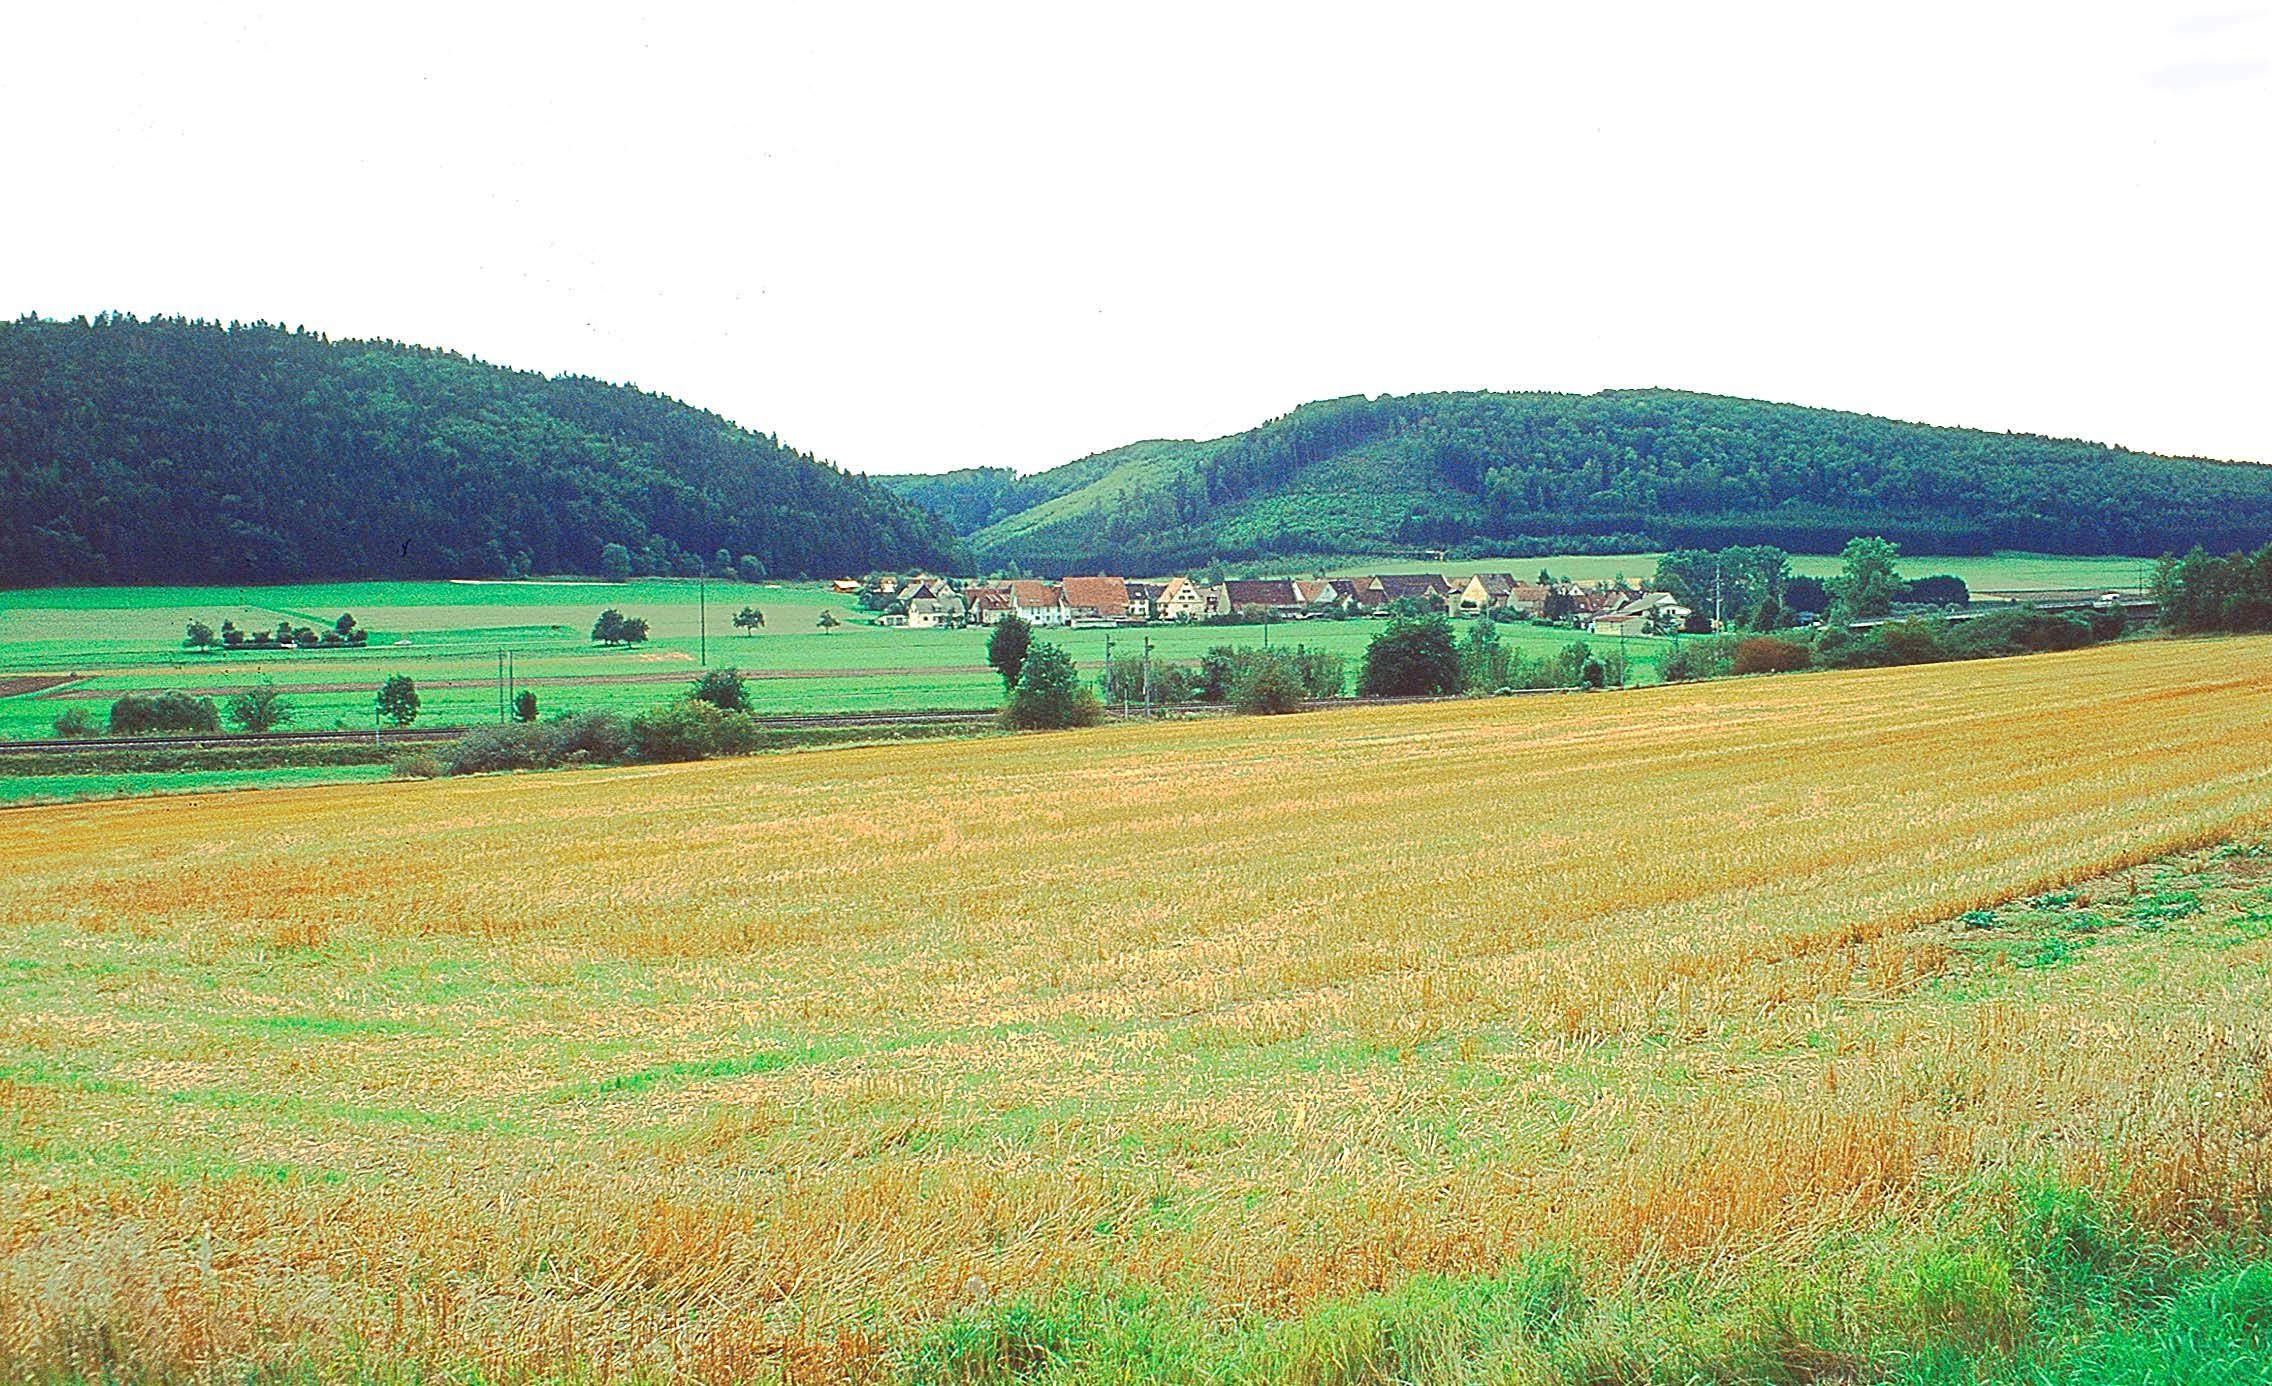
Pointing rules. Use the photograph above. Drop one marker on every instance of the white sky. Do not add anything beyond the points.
(911, 238)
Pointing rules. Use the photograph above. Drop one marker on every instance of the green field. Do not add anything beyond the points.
(117, 640)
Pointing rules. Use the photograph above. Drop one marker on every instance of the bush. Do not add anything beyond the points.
(486, 749)
(2019, 630)
(722, 689)
(1764, 654)
(1690, 660)
(603, 737)
(417, 765)
(1050, 694)
(524, 706)
(76, 722)
(134, 714)
(690, 729)
(1269, 684)
(260, 708)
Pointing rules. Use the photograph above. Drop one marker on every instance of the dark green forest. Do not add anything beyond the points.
(171, 450)
(1618, 470)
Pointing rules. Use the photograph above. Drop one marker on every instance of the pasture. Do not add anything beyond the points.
(118, 640)
(1905, 1023)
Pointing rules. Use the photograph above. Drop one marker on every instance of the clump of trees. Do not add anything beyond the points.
(615, 628)
(684, 729)
(139, 714)
(1049, 693)
(2202, 593)
(340, 634)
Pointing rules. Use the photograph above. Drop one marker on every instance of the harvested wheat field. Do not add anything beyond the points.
(1906, 1024)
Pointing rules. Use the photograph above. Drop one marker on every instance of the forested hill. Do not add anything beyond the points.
(1623, 469)
(177, 451)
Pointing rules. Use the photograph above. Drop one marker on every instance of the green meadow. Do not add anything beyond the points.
(448, 636)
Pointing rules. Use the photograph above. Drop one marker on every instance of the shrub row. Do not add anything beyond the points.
(688, 729)
(1920, 640)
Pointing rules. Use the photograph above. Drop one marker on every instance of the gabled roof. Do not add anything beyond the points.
(1494, 584)
(1310, 593)
(1530, 592)
(1364, 591)
(1260, 592)
(1107, 596)
(1413, 585)
(1028, 593)
(989, 599)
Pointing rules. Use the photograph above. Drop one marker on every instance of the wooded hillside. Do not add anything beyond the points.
(176, 451)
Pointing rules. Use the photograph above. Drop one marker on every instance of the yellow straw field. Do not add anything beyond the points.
(1150, 1052)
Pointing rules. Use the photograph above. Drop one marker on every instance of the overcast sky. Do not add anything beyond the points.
(920, 237)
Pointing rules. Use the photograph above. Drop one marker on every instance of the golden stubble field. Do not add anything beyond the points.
(769, 1065)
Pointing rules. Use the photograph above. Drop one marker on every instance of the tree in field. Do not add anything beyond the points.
(1483, 660)
(524, 706)
(1268, 684)
(1411, 657)
(198, 636)
(615, 628)
(230, 635)
(1007, 648)
(748, 619)
(828, 621)
(1869, 584)
(1050, 693)
(398, 700)
(345, 625)
(260, 708)
(723, 689)
(615, 563)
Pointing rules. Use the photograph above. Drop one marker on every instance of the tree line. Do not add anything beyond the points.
(173, 450)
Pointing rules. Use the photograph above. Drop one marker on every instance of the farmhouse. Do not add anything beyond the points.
(1039, 603)
(1102, 597)
(1651, 613)
(1529, 598)
(1143, 599)
(986, 605)
(1184, 600)
(1247, 595)
(1483, 592)
(1424, 587)
(1362, 593)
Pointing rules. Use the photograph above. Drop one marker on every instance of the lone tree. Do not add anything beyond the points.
(524, 706)
(1869, 584)
(723, 689)
(260, 708)
(1007, 648)
(615, 563)
(198, 636)
(828, 621)
(615, 628)
(1050, 693)
(1412, 657)
(398, 700)
(748, 619)
(1270, 684)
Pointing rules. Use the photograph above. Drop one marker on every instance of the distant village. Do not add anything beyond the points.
(924, 602)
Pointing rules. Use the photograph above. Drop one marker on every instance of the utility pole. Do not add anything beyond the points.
(500, 685)
(1147, 675)
(1719, 607)
(1108, 676)
(702, 608)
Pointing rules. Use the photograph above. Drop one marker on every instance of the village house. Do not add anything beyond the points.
(1361, 594)
(1181, 599)
(1482, 593)
(1253, 596)
(1039, 603)
(1097, 598)
(1649, 613)
(1429, 588)
(1143, 599)
(1320, 594)
(1529, 598)
(932, 604)
(986, 605)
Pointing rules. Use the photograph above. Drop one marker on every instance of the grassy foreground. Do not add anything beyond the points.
(1904, 1024)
